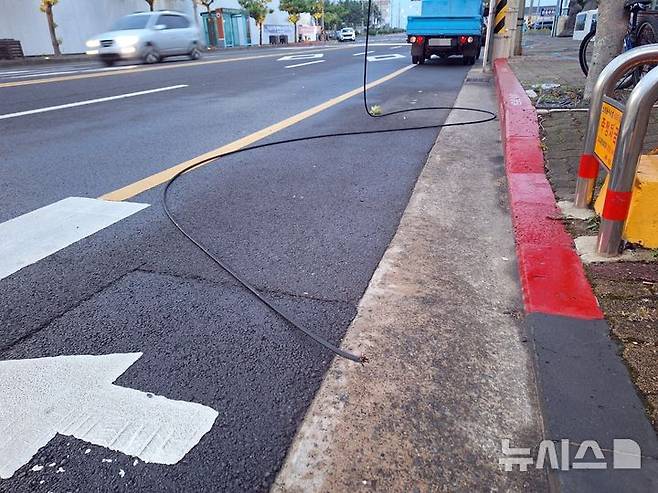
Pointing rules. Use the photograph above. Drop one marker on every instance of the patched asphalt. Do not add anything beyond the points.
(306, 223)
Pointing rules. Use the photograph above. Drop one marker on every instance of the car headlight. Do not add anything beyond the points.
(124, 41)
(93, 43)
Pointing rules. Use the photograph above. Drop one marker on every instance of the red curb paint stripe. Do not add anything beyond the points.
(556, 282)
(616, 205)
(552, 276)
(589, 167)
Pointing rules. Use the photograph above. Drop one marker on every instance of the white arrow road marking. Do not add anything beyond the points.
(74, 396)
(381, 58)
(89, 101)
(303, 56)
(31, 237)
(305, 63)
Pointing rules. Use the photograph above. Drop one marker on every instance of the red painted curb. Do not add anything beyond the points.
(552, 276)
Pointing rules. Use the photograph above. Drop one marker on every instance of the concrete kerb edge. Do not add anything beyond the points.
(585, 389)
(559, 281)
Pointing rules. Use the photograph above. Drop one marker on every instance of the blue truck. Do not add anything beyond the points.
(446, 28)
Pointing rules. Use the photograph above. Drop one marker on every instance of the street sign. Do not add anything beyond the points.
(74, 396)
(606, 135)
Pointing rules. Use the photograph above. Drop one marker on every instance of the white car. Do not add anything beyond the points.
(148, 36)
(346, 34)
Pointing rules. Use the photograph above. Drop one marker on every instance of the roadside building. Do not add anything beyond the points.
(78, 20)
(401, 9)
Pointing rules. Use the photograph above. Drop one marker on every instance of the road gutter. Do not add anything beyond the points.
(449, 376)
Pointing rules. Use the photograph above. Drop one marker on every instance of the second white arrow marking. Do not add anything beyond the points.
(305, 63)
(381, 58)
(303, 56)
(74, 396)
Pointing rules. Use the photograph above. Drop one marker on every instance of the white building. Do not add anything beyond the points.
(78, 20)
(401, 9)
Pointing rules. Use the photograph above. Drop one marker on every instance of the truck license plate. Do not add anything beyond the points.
(440, 42)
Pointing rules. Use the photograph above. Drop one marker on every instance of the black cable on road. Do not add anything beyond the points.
(489, 116)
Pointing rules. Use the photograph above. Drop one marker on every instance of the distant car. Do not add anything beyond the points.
(543, 24)
(147, 36)
(346, 34)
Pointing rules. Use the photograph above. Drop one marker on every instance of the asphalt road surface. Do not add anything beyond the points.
(306, 223)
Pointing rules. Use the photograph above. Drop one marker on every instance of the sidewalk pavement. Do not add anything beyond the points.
(628, 292)
(450, 374)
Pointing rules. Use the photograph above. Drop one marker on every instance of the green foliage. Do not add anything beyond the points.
(257, 9)
(350, 13)
(45, 4)
(295, 8)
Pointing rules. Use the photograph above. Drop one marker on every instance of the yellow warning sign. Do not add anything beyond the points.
(606, 135)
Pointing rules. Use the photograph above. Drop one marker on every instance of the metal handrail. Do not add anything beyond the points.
(605, 85)
(632, 131)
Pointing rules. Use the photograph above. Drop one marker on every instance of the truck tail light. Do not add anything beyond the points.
(420, 39)
(412, 39)
(465, 39)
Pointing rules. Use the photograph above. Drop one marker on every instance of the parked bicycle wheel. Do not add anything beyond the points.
(646, 34)
(586, 51)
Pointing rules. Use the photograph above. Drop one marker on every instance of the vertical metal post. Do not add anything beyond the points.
(627, 154)
(520, 23)
(589, 167)
(488, 52)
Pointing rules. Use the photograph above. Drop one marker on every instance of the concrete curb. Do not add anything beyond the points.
(585, 390)
(552, 276)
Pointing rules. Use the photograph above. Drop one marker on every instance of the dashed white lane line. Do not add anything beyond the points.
(36, 235)
(396, 47)
(363, 53)
(305, 63)
(24, 74)
(39, 74)
(89, 101)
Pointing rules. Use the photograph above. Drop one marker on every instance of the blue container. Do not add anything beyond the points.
(448, 18)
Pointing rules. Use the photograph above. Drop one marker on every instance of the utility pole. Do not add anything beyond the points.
(520, 24)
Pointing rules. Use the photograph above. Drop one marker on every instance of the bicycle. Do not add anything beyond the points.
(640, 32)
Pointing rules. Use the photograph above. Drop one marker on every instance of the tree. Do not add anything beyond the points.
(151, 3)
(257, 10)
(206, 4)
(295, 9)
(609, 40)
(46, 7)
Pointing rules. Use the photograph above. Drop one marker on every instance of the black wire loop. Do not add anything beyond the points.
(357, 357)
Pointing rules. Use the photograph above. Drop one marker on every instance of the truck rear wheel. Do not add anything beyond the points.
(469, 60)
(415, 59)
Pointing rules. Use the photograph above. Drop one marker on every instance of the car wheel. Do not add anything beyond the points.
(151, 56)
(195, 54)
(108, 62)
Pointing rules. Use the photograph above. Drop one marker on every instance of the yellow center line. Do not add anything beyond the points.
(164, 176)
(158, 67)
